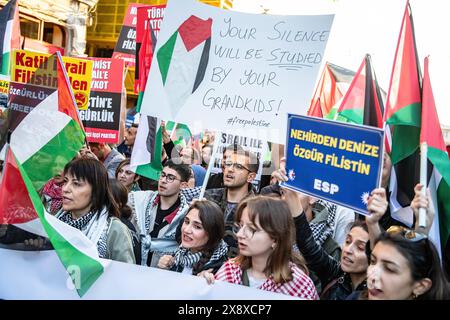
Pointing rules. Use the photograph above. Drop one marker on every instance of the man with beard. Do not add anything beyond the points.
(156, 214)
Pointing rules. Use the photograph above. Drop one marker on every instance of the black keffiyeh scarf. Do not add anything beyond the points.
(186, 258)
(324, 229)
(79, 223)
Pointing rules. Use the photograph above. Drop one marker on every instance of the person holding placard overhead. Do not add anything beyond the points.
(339, 278)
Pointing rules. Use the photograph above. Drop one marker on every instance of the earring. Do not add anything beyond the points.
(414, 296)
(273, 246)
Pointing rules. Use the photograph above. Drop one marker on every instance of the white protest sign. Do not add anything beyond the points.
(234, 72)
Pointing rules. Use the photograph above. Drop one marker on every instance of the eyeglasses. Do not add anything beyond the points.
(235, 165)
(169, 177)
(406, 233)
(248, 232)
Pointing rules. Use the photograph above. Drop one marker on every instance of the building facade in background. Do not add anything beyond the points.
(50, 25)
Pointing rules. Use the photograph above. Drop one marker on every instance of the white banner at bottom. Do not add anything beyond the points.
(41, 275)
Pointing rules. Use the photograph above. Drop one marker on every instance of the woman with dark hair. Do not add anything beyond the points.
(89, 206)
(338, 278)
(201, 246)
(120, 194)
(127, 177)
(266, 261)
(404, 264)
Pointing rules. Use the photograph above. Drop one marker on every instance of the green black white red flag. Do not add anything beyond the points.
(439, 181)
(403, 113)
(44, 141)
(362, 103)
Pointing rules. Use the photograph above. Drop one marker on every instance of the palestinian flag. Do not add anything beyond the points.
(52, 133)
(180, 133)
(9, 34)
(316, 111)
(439, 182)
(403, 111)
(183, 59)
(403, 106)
(147, 150)
(362, 104)
(333, 84)
(20, 205)
(143, 62)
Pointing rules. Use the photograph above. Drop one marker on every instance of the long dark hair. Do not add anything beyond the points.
(120, 194)
(212, 220)
(275, 218)
(423, 260)
(94, 172)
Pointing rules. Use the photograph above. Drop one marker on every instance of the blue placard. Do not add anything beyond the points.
(335, 161)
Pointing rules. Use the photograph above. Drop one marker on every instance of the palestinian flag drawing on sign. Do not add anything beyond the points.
(183, 59)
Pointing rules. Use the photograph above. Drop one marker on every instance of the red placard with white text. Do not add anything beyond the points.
(102, 118)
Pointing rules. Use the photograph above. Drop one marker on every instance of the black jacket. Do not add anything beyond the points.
(336, 284)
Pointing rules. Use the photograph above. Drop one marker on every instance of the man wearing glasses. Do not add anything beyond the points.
(239, 170)
(156, 214)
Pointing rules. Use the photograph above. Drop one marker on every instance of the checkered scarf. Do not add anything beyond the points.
(82, 225)
(186, 258)
(300, 286)
(323, 230)
(79, 223)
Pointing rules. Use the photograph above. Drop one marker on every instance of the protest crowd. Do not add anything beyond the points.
(244, 223)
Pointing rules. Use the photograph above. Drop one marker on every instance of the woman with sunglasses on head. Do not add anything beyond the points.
(266, 261)
(201, 245)
(404, 264)
(89, 206)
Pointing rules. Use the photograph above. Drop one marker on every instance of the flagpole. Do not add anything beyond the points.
(210, 164)
(174, 130)
(423, 181)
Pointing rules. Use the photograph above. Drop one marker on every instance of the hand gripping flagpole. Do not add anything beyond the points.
(423, 181)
